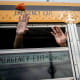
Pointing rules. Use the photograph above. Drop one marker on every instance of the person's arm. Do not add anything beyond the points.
(60, 37)
(18, 43)
(20, 31)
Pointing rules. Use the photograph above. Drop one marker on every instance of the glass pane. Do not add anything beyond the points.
(38, 36)
(35, 65)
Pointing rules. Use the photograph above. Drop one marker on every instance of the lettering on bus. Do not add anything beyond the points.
(33, 12)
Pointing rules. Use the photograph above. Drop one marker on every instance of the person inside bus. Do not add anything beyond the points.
(21, 29)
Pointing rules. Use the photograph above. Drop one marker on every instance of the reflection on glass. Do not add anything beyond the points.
(78, 30)
(35, 65)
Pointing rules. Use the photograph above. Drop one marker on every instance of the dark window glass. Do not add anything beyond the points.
(34, 38)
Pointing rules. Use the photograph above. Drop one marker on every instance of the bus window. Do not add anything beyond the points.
(40, 59)
(38, 36)
(35, 64)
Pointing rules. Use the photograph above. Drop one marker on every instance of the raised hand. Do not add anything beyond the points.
(22, 24)
(60, 37)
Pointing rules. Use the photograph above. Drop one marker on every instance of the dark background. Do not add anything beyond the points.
(34, 38)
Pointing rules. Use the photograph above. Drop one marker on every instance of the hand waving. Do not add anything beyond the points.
(21, 27)
(60, 37)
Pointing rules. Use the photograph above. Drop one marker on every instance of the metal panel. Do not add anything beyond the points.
(69, 78)
(8, 51)
(32, 25)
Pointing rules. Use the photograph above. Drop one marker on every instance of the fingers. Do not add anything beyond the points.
(26, 29)
(23, 16)
(59, 30)
(26, 14)
(53, 34)
(27, 20)
(56, 31)
(53, 30)
(19, 18)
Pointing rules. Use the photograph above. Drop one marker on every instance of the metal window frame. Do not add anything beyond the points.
(74, 49)
(8, 51)
(32, 25)
(68, 78)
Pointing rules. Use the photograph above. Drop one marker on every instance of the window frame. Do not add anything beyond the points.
(9, 51)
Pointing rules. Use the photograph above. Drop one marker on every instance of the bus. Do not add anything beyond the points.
(42, 58)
